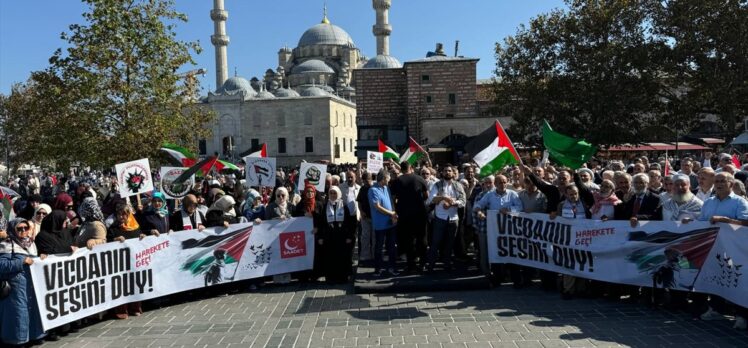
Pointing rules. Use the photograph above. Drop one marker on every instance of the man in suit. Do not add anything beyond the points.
(642, 205)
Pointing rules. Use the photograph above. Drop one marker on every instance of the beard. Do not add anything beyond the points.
(682, 198)
(640, 192)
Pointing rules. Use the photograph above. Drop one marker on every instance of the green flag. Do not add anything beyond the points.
(566, 150)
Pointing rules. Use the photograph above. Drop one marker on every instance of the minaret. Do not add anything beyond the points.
(220, 40)
(382, 29)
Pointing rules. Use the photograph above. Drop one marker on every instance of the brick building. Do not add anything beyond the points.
(435, 100)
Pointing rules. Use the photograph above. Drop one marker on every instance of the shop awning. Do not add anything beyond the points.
(682, 146)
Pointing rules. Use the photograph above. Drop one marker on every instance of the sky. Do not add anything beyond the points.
(30, 30)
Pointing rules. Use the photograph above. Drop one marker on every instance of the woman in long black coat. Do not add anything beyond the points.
(337, 234)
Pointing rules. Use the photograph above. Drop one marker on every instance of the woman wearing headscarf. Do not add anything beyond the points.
(281, 207)
(39, 214)
(336, 232)
(125, 227)
(92, 232)
(310, 206)
(55, 237)
(254, 210)
(63, 202)
(155, 217)
(19, 313)
(222, 213)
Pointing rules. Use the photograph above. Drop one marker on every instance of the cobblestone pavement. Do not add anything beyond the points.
(327, 316)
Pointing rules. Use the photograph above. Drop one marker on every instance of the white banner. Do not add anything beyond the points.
(87, 282)
(374, 161)
(134, 177)
(313, 173)
(698, 256)
(171, 191)
(260, 171)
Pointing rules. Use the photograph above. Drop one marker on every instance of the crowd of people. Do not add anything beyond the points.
(433, 217)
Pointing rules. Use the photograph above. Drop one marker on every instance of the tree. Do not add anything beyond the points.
(115, 95)
(589, 71)
(707, 59)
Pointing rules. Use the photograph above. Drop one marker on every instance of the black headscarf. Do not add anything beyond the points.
(53, 238)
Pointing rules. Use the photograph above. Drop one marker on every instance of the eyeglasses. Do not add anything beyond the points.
(69, 207)
(425, 173)
(41, 213)
(22, 228)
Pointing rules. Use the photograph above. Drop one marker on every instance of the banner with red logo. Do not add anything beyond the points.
(74, 286)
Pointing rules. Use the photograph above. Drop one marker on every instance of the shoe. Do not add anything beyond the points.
(711, 314)
(52, 337)
(392, 272)
(252, 287)
(740, 323)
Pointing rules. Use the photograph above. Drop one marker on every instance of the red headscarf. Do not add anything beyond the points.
(309, 202)
(61, 201)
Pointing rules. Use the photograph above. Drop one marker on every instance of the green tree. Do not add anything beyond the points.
(707, 60)
(115, 94)
(591, 71)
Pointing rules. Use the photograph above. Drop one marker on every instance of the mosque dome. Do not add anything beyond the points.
(382, 62)
(263, 94)
(314, 92)
(312, 65)
(325, 34)
(236, 84)
(286, 93)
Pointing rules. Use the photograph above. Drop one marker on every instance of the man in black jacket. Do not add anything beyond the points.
(642, 205)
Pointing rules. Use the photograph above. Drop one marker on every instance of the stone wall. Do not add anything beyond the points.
(380, 96)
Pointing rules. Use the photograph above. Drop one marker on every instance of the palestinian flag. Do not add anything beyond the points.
(492, 150)
(221, 165)
(232, 245)
(388, 152)
(203, 167)
(414, 152)
(566, 150)
(181, 154)
(262, 152)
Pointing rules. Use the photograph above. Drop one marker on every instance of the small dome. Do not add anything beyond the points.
(236, 84)
(312, 65)
(286, 93)
(327, 89)
(325, 34)
(383, 62)
(264, 95)
(314, 92)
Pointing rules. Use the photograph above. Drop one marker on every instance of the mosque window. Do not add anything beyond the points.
(428, 99)
(344, 150)
(203, 146)
(255, 143)
(452, 99)
(350, 120)
(309, 144)
(425, 78)
(281, 145)
(344, 121)
(350, 143)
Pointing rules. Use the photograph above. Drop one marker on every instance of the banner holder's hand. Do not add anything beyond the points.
(634, 221)
(155, 233)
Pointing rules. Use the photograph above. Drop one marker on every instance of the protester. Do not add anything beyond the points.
(337, 233)
(126, 227)
(41, 211)
(446, 196)
(706, 184)
(410, 193)
(605, 202)
(222, 213)
(189, 217)
(155, 217)
(254, 209)
(366, 237)
(92, 232)
(682, 205)
(55, 237)
(20, 322)
(384, 220)
(572, 208)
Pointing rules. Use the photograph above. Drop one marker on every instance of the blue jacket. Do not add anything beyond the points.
(19, 315)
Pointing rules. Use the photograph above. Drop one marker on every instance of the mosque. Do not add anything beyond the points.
(305, 107)
(326, 101)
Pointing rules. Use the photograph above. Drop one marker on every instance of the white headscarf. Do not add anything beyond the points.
(225, 204)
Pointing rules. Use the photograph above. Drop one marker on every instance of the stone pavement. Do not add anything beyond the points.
(328, 316)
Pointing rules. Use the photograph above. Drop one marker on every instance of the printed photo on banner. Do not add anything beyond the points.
(134, 177)
(374, 161)
(171, 190)
(313, 173)
(260, 171)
